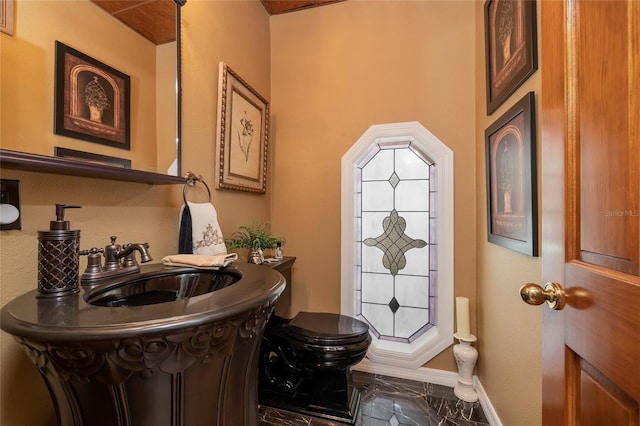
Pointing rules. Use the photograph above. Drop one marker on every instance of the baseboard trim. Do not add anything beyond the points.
(431, 375)
(487, 407)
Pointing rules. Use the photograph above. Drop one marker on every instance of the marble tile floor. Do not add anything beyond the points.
(390, 401)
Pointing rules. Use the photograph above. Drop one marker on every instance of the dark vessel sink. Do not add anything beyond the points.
(161, 288)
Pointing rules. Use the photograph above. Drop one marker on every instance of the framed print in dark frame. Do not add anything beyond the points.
(512, 206)
(510, 47)
(92, 99)
(6, 16)
(89, 157)
(242, 134)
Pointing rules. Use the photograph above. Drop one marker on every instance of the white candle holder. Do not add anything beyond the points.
(466, 357)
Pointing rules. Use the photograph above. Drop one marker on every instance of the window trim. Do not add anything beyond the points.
(440, 337)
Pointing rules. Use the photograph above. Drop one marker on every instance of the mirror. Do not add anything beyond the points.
(95, 29)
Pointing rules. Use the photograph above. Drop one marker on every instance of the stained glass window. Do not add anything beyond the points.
(395, 219)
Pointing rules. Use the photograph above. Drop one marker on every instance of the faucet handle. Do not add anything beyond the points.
(112, 249)
(92, 250)
(94, 262)
(111, 261)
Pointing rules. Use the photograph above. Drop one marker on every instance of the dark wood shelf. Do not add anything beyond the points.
(62, 166)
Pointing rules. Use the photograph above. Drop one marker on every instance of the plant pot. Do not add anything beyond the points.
(256, 256)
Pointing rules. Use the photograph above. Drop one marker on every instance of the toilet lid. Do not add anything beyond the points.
(326, 328)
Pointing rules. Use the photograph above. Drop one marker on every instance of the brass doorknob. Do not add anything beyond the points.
(552, 293)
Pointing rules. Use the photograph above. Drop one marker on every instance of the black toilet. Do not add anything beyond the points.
(305, 364)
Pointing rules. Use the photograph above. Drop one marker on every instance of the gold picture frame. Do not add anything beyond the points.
(242, 132)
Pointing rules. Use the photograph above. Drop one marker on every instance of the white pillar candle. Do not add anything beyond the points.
(462, 316)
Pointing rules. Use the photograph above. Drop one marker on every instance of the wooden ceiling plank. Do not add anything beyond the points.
(276, 7)
(155, 19)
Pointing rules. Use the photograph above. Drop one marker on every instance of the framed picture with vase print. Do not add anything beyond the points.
(512, 207)
(92, 99)
(510, 47)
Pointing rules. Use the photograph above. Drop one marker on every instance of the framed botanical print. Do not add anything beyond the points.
(243, 124)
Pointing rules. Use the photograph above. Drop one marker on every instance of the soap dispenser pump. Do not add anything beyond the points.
(58, 257)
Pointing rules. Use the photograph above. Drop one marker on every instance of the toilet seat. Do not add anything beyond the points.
(306, 364)
(326, 329)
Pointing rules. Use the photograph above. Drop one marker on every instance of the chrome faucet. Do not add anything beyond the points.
(119, 260)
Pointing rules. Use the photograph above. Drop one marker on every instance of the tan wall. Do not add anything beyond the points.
(214, 32)
(360, 63)
(28, 84)
(336, 71)
(134, 212)
(510, 332)
(166, 62)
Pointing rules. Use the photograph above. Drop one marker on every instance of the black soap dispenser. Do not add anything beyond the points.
(58, 257)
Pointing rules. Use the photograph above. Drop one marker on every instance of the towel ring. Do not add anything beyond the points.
(191, 181)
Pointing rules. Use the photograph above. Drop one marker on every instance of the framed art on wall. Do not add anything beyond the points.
(92, 99)
(243, 123)
(510, 47)
(6, 16)
(512, 207)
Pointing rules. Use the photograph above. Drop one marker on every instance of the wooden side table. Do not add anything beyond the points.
(284, 267)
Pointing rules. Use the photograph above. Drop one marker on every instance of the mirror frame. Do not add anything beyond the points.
(10, 159)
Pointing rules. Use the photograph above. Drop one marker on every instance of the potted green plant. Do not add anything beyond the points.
(256, 238)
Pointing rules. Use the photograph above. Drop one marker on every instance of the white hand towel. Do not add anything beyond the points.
(206, 232)
(199, 261)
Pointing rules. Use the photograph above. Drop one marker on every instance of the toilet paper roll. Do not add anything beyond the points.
(8, 214)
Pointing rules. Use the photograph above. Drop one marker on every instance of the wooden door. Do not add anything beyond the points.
(591, 210)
